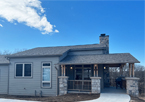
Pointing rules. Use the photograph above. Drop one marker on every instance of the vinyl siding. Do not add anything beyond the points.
(3, 79)
(27, 86)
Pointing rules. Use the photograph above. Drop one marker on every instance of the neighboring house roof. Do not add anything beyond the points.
(53, 51)
(100, 59)
(3, 60)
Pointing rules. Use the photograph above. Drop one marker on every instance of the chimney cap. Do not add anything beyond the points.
(103, 35)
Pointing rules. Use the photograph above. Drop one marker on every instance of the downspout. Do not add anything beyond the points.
(56, 81)
(8, 79)
(8, 76)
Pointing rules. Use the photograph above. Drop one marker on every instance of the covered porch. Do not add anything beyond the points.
(90, 73)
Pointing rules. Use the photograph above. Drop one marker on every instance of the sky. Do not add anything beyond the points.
(26, 24)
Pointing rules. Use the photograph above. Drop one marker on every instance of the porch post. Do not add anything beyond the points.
(97, 69)
(61, 70)
(95, 84)
(95, 81)
(132, 82)
(129, 69)
(63, 82)
(121, 70)
(64, 70)
(94, 70)
(132, 86)
(133, 70)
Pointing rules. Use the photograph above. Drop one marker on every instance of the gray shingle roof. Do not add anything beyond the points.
(100, 59)
(3, 60)
(42, 51)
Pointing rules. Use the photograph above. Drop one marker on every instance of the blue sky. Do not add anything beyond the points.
(73, 23)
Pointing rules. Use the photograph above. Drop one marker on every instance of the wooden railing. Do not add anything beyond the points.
(79, 85)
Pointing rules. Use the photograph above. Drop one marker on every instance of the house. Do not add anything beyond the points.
(52, 71)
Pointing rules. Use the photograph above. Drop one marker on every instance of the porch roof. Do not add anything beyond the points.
(118, 58)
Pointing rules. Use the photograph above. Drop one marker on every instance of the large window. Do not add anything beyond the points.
(23, 70)
(46, 74)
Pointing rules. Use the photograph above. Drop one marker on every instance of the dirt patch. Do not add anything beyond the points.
(63, 98)
(141, 98)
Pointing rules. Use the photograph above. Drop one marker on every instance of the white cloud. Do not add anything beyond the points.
(54, 25)
(1, 25)
(29, 12)
(56, 31)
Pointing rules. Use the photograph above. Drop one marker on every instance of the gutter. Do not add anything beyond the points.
(56, 80)
(4, 63)
(8, 80)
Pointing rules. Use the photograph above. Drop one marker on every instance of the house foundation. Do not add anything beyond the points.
(95, 81)
(63, 85)
(132, 86)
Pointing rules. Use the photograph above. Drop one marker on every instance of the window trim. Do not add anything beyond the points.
(42, 74)
(23, 71)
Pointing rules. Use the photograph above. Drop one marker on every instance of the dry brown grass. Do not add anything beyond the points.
(63, 98)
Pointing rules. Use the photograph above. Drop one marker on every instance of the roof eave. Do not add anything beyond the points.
(93, 63)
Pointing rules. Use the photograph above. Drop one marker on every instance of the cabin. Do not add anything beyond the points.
(52, 71)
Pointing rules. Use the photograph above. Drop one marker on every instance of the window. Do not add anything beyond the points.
(46, 75)
(23, 70)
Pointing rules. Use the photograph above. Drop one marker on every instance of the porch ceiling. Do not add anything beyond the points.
(110, 59)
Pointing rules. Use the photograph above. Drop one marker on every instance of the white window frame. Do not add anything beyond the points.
(23, 71)
(42, 74)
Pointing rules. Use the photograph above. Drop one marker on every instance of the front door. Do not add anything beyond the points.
(78, 74)
(82, 73)
(86, 73)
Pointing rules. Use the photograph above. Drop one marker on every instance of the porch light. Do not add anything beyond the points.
(104, 67)
(71, 67)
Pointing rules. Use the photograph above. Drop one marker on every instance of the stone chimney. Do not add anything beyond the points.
(104, 40)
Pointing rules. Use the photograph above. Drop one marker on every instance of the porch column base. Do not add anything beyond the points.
(95, 81)
(63, 85)
(132, 86)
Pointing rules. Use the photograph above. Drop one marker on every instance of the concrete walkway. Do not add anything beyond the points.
(14, 100)
(112, 95)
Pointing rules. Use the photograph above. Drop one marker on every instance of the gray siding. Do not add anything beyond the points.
(27, 86)
(3, 79)
(85, 52)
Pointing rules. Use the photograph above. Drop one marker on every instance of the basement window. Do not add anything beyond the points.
(46, 75)
(23, 70)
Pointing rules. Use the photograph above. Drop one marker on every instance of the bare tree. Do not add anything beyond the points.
(8, 52)
(139, 71)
